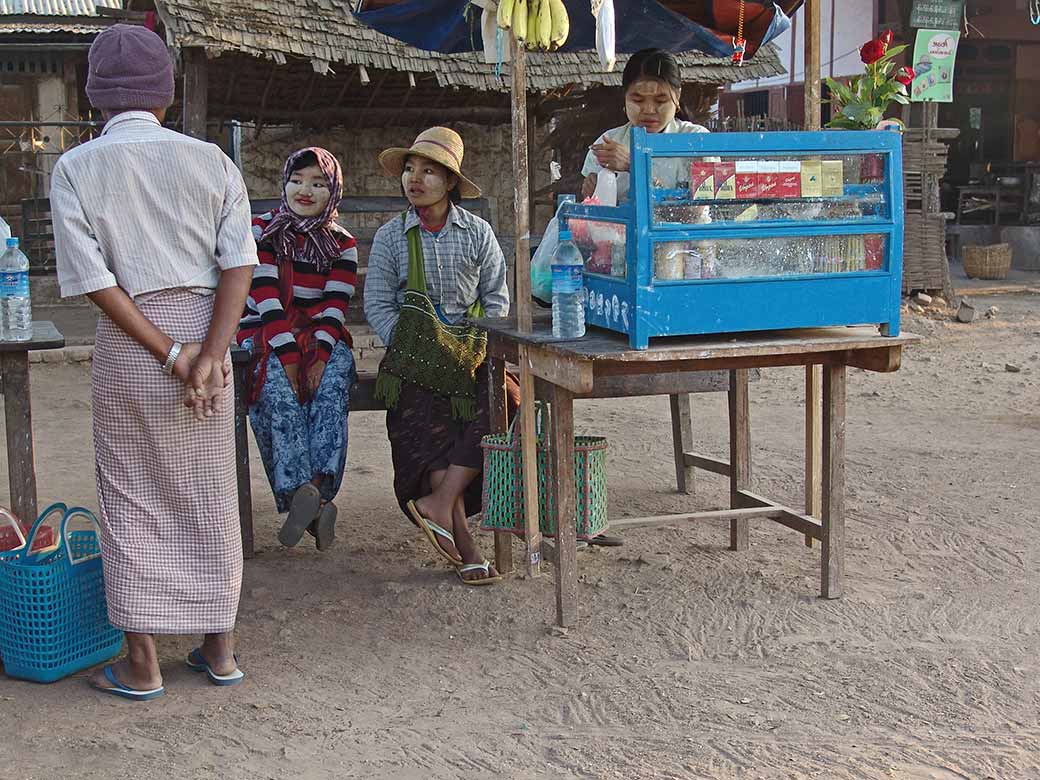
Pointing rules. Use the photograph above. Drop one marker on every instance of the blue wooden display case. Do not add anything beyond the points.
(682, 256)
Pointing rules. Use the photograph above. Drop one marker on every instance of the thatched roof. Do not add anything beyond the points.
(324, 33)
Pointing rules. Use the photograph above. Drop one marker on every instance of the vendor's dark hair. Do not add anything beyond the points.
(305, 160)
(654, 64)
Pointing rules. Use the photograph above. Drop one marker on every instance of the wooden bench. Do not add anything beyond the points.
(362, 399)
(37, 234)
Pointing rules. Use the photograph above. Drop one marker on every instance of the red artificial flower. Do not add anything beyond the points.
(905, 76)
(871, 52)
(886, 38)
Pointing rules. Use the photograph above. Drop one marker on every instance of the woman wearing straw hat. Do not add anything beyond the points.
(430, 269)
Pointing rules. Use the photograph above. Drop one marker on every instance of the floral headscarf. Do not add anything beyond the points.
(321, 248)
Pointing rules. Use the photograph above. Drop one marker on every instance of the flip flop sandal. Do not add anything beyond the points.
(197, 663)
(124, 692)
(484, 567)
(305, 505)
(431, 531)
(324, 527)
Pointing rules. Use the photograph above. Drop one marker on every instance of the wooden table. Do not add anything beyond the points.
(14, 373)
(602, 365)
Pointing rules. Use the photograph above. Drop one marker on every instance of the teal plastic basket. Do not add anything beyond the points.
(504, 501)
(53, 615)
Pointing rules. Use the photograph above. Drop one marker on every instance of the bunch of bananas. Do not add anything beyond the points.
(538, 25)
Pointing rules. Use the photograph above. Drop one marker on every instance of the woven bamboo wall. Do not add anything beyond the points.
(925, 266)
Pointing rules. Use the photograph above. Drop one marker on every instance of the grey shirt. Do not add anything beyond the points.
(463, 264)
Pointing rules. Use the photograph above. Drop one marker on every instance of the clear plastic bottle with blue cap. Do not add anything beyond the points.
(15, 306)
(568, 286)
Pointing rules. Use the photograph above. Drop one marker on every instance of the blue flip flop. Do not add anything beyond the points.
(118, 689)
(197, 663)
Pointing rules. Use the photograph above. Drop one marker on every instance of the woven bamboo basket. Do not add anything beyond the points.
(987, 262)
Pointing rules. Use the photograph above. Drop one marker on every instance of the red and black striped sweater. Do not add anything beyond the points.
(314, 318)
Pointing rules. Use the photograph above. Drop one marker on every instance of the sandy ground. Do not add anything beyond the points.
(690, 661)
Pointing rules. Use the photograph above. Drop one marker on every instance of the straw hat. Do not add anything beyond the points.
(439, 144)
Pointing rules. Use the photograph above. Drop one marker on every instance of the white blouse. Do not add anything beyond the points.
(667, 171)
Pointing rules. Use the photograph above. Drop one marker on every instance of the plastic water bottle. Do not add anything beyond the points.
(568, 304)
(14, 288)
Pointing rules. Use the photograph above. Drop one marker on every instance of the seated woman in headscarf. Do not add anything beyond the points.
(294, 325)
(652, 85)
(431, 268)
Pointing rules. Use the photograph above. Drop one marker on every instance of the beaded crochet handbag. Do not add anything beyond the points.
(426, 352)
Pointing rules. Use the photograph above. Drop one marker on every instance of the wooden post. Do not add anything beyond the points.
(811, 14)
(562, 457)
(930, 204)
(832, 568)
(529, 465)
(739, 454)
(196, 89)
(682, 441)
(522, 306)
(245, 489)
(521, 197)
(532, 172)
(21, 463)
(499, 424)
(813, 442)
(813, 375)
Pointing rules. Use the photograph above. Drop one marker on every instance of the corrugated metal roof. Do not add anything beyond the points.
(49, 29)
(325, 32)
(56, 7)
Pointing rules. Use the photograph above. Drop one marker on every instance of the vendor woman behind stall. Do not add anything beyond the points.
(429, 269)
(652, 84)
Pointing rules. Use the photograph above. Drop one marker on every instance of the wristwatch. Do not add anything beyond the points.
(171, 358)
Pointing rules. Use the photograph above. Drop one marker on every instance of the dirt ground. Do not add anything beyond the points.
(373, 661)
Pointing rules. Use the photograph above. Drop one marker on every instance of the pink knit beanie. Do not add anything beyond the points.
(129, 68)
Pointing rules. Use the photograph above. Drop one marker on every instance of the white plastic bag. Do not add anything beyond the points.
(606, 188)
(541, 263)
(5, 231)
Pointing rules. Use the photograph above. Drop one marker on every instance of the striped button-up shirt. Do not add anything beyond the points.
(147, 209)
(463, 264)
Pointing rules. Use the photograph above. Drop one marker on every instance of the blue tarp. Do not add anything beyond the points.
(453, 27)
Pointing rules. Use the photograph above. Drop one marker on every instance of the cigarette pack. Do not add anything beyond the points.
(833, 179)
(702, 180)
(789, 179)
(747, 180)
(768, 179)
(812, 179)
(725, 181)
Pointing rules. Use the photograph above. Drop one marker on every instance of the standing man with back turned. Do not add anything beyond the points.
(154, 227)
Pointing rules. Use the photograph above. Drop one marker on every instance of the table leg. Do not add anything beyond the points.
(21, 465)
(499, 424)
(245, 489)
(813, 442)
(562, 458)
(529, 465)
(739, 453)
(682, 441)
(832, 567)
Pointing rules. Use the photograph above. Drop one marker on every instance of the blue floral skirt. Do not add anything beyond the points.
(299, 442)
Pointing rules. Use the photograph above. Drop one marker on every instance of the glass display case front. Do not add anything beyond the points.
(730, 232)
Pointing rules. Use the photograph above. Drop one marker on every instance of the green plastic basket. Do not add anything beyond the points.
(504, 504)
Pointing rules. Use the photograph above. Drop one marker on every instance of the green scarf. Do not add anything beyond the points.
(442, 359)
